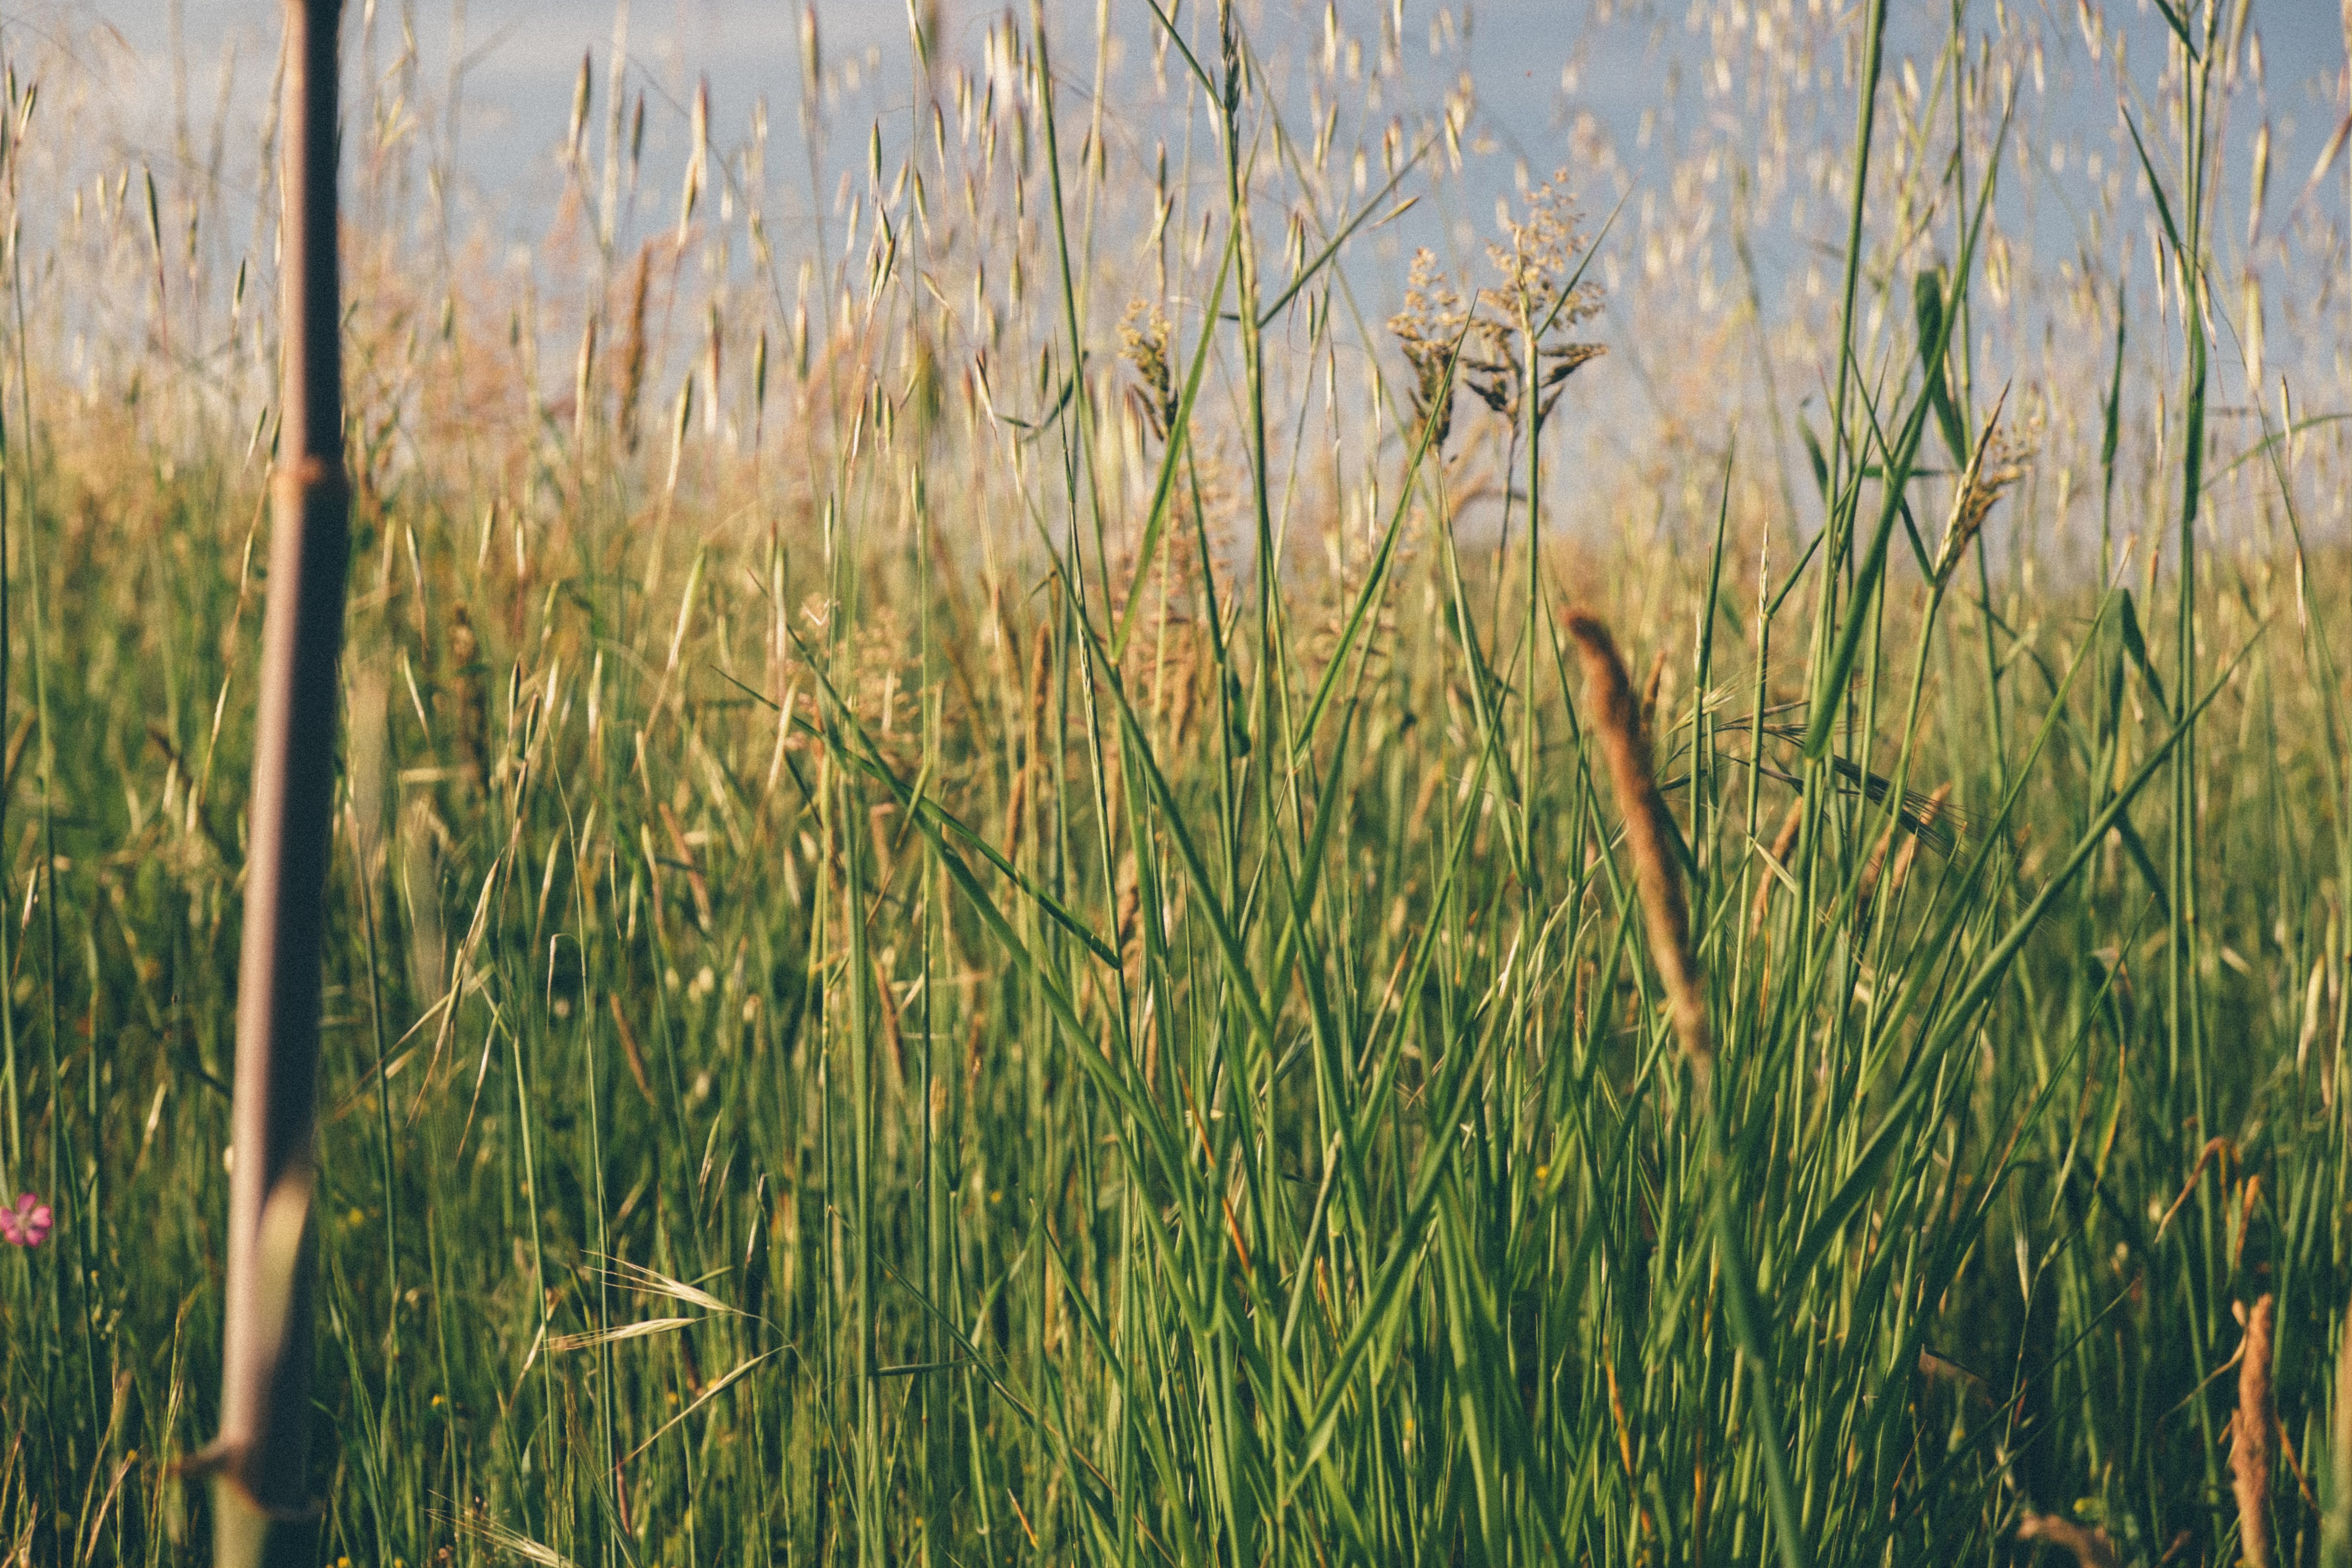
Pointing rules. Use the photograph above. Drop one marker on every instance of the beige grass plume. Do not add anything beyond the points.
(633, 349)
(1143, 343)
(2250, 1436)
(1430, 327)
(1614, 714)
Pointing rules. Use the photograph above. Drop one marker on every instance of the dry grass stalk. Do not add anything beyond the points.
(472, 713)
(261, 1456)
(2249, 1196)
(2250, 1436)
(2221, 1148)
(1929, 815)
(1784, 844)
(1650, 688)
(1875, 875)
(631, 1051)
(1943, 1369)
(1649, 831)
(2333, 1532)
(1017, 809)
(2090, 1547)
(583, 384)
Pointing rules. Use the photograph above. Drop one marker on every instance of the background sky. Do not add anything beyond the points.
(1632, 65)
(1668, 106)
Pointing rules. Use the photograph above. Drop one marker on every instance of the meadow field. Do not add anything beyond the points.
(1079, 825)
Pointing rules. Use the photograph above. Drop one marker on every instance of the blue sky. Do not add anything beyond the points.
(1536, 62)
(1641, 75)
(1633, 94)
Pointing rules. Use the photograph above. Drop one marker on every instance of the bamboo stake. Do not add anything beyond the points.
(260, 1461)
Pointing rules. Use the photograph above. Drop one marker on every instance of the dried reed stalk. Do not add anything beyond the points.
(1033, 720)
(1784, 843)
(2250, 1436)
(1875, 876)
(1929, 815)
(1615, 716)
(261, 1460)
(2090, 1547)
(2336, 1527)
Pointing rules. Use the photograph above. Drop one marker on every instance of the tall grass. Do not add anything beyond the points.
(959, 935)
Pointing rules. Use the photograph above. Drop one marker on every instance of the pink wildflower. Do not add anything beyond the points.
(27, 1224)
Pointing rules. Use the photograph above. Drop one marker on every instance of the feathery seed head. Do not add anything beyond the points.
(1997, 462)
(1143, 343)
(1430, 327)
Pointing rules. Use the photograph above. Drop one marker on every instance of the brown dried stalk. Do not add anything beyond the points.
(1875, 874)
(2250, 1436)
(1784, 843)
(261, 1458)
(2090, 1547)
(1649, 833)
(1939, 799)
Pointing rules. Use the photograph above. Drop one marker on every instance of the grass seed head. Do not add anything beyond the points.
(1430, 327)
(1540, 297)
(1143, 343)
(633, 349)
(1649, 832)
(1997, 463)
(2250, 1436)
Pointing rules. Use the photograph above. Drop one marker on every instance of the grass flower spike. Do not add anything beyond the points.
(2251, 1431)
(1997, 463)
(1430, 327)
(1649, 830)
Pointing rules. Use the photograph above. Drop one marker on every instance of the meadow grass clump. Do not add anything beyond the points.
(977, 914)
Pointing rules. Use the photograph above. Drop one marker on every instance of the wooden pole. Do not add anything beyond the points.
(263, 1510)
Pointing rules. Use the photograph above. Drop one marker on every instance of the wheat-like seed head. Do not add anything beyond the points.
(633, 349)
(1997, 462)
(1536, 295)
